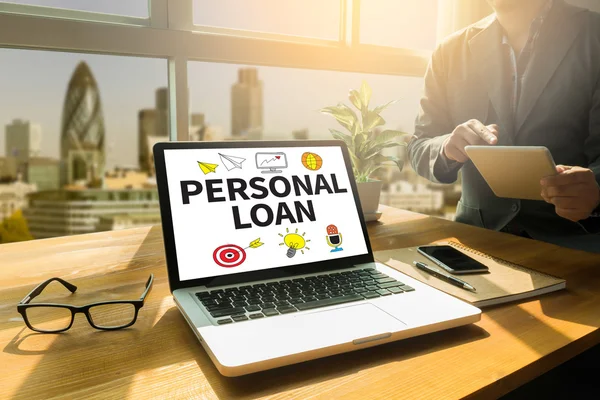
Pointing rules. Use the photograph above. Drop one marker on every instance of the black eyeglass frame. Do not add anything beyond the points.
(24, 304)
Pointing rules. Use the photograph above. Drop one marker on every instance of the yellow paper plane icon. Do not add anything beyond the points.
(206, 167)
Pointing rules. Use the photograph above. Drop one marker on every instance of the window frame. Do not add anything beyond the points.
(169, 33)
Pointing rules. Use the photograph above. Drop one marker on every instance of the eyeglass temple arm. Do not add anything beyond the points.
(148, 287)
(39, 288)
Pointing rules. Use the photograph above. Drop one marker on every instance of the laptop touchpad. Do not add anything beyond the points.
(244, 343)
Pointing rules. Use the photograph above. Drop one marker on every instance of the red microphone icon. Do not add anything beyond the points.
(334, 238)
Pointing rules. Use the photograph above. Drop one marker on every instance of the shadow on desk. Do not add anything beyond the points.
(61, 369)
(527, 321)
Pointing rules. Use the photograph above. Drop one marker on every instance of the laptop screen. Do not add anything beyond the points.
(239, 210)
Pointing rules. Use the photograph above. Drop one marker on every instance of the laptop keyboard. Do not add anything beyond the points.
(248, 302)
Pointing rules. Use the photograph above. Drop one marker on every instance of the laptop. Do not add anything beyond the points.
(269, 260)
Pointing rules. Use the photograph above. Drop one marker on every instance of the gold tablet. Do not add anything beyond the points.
(513, 171)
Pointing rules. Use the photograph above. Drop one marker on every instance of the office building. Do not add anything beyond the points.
(13, 197)
(82, 135)
(214, 133)
(71, 212)
(43, 172)
(128, 178)
(246, 103)
(8, 169)
(23, 140)
(146, 128)
(162, 112)
(153, 127)
(300, 134)
(197, 127)
(126, 221)
(417, 198)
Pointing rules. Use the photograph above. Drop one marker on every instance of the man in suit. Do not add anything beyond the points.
(529, 75)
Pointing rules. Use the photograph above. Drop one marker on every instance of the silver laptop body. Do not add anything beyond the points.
(269, 260)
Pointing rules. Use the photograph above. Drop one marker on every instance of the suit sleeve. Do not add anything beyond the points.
(592, 144)
(433, 125)
(592, 152)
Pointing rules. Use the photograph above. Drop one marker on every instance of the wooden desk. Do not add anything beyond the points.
(160, 357)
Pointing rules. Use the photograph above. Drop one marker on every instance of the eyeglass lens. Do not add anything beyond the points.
(112, 315)
(49, 319)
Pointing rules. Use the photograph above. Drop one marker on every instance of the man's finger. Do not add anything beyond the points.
(562, 168)
(456, 149)
(571, 215)
(568, 177)
(482, 131)
(567, 203)
(472, 137)
(494, 128)
(545, 197)
(564, 191)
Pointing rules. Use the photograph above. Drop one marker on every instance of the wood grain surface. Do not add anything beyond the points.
(159, 357)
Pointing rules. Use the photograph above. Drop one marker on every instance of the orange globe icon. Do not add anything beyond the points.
(312, 161)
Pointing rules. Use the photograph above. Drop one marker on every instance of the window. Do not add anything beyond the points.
(129, 8)
(405, 24)
(290, 98)
(80, 132)
(283, 104)
(306, 18)
(192, 52)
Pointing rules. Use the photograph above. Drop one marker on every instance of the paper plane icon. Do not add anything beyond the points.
(206, 167)
(231, 162)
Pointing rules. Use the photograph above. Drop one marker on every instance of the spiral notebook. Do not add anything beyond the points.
(505, 281)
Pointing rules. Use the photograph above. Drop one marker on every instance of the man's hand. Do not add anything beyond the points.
(574, 192)
(472, 132)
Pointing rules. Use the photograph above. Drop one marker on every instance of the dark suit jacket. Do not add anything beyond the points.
(559, 108)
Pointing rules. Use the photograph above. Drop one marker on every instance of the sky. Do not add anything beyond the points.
(292, 97)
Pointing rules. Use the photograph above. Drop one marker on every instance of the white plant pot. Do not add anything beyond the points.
(369, 193)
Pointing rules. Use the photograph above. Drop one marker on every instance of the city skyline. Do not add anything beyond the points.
(128, 85)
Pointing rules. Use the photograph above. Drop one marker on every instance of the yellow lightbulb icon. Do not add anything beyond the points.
(294, 241)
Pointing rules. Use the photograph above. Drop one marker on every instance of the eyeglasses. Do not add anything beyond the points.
(53, 318)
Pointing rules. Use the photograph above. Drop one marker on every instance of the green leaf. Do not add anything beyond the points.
(372, 120)
(373, 169)
(381, 160)
(341, 136)
(343, 114)
(373, 151)
(379, 109)
(358, 142)
(396, 160)
(365, 94)
(354, 97)
(389, 135)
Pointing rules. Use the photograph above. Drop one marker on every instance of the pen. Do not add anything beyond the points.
(450, 279)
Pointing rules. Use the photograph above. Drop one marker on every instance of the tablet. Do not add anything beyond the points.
(513, 171)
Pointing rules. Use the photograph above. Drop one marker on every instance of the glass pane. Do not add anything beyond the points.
(307, 18)
(75, 152)
(49, 319)
(399, 23)
(129, 8)
(282, 103)
(112, 315)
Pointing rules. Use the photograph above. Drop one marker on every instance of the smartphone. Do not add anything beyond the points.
(452, 260)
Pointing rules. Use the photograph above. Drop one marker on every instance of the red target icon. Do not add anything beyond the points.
(229, 255)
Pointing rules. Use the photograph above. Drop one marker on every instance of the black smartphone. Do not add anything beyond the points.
(452, 260)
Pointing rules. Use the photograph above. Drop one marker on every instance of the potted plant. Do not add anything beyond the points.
(366, 142)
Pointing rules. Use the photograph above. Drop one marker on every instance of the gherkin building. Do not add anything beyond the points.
(82, 132)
